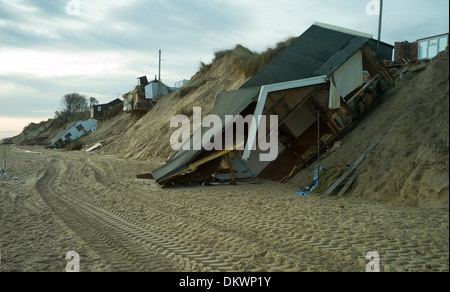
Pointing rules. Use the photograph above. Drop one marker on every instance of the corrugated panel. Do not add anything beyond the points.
(340, 57)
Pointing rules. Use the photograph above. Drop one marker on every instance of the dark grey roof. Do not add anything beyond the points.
(318, 51)
(114, 102)
(226, 103)
(385, 49)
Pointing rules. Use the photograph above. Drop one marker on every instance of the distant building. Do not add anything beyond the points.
(135, 100)
(74, 131)
(98, 111)
(143, 81)
(180, 84)
(155, 89)
(143, 97)
(426, 48)
(405, 50)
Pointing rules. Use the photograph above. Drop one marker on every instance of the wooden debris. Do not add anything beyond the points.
(230, 167)
(335, 147)
(350, 170)
(350, 182)
(95, 147)
(145, 176)
(363, 88)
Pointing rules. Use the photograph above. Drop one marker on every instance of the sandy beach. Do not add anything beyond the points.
(124, 114)
(93, 204)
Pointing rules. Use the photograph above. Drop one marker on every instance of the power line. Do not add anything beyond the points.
(154, 59)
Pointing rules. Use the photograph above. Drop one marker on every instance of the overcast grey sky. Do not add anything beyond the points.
(49, 48)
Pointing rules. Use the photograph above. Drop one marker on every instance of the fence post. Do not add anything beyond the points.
(4, 159)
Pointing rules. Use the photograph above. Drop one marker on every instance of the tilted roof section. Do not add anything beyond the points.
(318, 51)
(344, 30)
(226, 103)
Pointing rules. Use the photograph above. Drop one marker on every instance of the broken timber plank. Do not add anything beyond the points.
(200, 162)
(230, 167)
(357, 162)
(145, 176)
(350, 181)
(94, 147)
(362, 88)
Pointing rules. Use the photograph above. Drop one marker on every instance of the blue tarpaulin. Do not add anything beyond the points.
(7, 176)
(307, 190)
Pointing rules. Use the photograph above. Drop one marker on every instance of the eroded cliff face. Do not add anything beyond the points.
(410, 165)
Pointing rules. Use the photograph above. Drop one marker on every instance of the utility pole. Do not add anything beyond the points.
(318, 136)
(159, 76)
(379, 27)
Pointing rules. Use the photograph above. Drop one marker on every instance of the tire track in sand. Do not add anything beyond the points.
(238, 229)
(266, 242)
(119, 251)
(156, 238)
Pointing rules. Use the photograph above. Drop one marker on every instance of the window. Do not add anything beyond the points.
(99, 108)
(67, 136)
(433, 49)
(423, 50)
(80, 128)
(443, 41)
(429, 48)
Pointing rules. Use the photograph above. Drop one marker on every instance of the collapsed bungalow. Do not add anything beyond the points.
(145, 95)
(317, 87)
(74, 131)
